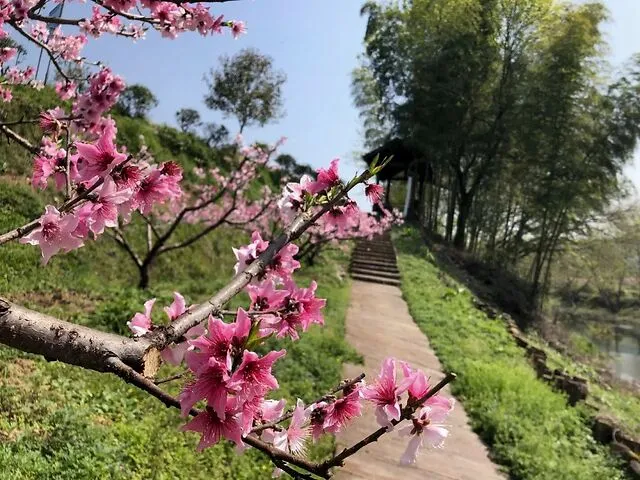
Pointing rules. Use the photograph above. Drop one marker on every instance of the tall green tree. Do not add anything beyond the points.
(136, 101)
(247, 87)
(188, 119)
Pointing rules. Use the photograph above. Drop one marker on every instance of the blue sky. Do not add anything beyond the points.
(316, 43)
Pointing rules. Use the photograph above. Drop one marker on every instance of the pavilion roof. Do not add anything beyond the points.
(403, 157)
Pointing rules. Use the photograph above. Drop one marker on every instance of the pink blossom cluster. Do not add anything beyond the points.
(15, 9)
(16, 76)
(387, 394)
(102, 21)
(116, 187)
(342, 222)
(102, 94)
(68, 47)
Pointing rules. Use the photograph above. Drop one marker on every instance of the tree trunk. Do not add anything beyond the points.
(436, 207)
(464, 209)
(143, 276)
(451, 209)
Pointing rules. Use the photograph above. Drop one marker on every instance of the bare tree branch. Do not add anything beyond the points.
(150, 223)
(121, 240)
(198, 236)
(19, 139)
(177, 376)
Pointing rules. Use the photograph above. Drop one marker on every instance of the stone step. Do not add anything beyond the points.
(375, 279)
(375, 273)
(361, 248)
(374, 256)
(375, 266)
(374, 250)
(376, 244)
(366, 257)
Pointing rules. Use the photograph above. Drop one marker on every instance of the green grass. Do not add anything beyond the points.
(530, 428)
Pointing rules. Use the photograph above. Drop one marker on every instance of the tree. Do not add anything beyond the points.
(215, 135)
(99, 187)
(209, 204)
(188, 119)
(136, 101)
(291, 167)
(247, 87)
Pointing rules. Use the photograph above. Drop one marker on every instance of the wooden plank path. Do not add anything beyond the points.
(379, 325)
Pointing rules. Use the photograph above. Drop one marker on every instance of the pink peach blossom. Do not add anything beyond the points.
(426, 426)
(374, 192)
(100, 158)
(214, 429)
(385, 393)
(140, 324)
(54, 233)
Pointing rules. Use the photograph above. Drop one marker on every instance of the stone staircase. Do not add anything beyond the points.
(375, 261)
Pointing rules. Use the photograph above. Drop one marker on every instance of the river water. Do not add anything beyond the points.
(624, 349)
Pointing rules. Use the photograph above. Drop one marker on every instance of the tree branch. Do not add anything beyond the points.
(254, 218)
(150, 223)
(198, 236)
(131, 376)
(177, 376)
(19, 139)
(65, 207)
(121, 240)
(55, 339)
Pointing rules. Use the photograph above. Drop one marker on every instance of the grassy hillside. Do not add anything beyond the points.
(530, 427)
(58, 421)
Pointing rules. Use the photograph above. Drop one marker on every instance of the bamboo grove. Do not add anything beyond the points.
(520, 127)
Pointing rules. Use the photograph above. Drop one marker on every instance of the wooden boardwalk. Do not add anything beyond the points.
(378, 326)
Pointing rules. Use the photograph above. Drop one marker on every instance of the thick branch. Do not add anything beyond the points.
(55, 339)
(19, 232)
